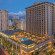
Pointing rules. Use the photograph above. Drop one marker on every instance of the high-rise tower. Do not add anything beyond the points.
(3, 20)
(40, 18)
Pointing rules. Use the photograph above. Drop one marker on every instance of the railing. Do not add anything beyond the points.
(12, 41)
(30, 49)
(37, 46)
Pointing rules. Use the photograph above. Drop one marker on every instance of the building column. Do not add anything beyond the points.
(27, 53)
(21, 52)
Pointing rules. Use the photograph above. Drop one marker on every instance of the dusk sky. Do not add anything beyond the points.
(18, 6)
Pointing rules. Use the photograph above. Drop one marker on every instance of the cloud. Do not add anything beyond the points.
(21, 14)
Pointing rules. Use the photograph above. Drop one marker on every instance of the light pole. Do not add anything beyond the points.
(16, 47)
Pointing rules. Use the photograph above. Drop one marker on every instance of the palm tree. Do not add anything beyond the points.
(47, 53)
(51, 52)
(36, 52)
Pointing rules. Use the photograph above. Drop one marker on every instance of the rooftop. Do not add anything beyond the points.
(39, 3)
(11, 32)
(28, 42)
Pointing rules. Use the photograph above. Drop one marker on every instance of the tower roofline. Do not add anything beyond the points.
(39, 3)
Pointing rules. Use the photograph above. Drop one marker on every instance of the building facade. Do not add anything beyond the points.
(54, 18)
(21, 25)
(40, 18)
(3, 20)
(10, 23)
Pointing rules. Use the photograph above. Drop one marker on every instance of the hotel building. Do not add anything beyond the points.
(40, 18)
(21, 25)
(54, 18)
(16, 44)
(3, 20)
